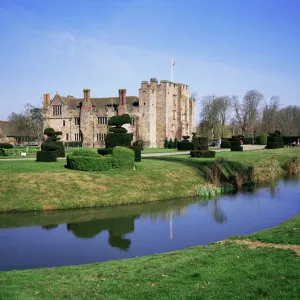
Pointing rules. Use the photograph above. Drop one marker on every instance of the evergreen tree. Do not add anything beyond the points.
(175, 143)
(170, 144)
(166, 143)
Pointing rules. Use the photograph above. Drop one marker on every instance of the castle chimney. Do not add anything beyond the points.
(86, 94)
(46, 99)
(122, 102)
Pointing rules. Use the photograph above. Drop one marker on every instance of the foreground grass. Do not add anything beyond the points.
(218, 271)
(28, 185)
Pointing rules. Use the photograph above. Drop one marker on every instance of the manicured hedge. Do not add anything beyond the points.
(118, 139)
(105, 151)
(287, 139)
(275, 141)
(90, 163)
(6, 146)
(200, 143)
(248, 140)
(124, 157)
(46, 156)
(261, 139)
(226, 144)
(73, 144)
(85, 152)
(236, 145)
(60, 149)
(202, 153)
(117, 129)
(185, 145)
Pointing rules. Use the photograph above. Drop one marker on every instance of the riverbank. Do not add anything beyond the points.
(238, 268)
(28, 186)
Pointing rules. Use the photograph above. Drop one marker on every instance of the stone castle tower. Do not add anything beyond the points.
(162, 110)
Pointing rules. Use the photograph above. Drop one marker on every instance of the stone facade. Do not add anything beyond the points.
(162, 110)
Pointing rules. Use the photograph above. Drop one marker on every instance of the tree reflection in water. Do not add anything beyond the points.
(116, 228)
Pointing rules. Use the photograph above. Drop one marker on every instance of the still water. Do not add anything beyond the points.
(50, 239)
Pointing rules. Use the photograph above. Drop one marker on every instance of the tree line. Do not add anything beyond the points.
(224, 116)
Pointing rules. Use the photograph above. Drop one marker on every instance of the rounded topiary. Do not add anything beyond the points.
(117, 129)
(118, 121)
(4, 146)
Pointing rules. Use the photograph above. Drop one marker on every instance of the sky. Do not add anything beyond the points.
(220, 47)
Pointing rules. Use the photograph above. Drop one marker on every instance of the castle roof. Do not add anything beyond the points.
(73, 103)
(10, 129)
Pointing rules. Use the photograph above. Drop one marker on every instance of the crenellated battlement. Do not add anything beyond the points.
(163, 83)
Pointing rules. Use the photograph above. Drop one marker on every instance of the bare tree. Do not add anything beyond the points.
(210, 113)
(224, 106)
(269, 114)
(29, 123)
(247, 112)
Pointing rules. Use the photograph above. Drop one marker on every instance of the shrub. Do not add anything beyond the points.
(225, 144)
(261, 139)
(85, 152)
(5, 146)
(185, 137)
(292, 167)
(289, 139)
(210, 190)
(170, 144)
(60, 149)
(124, 157)
(202, 153)
(118, 139)
(137, 153)
(105, 151)
(200, 143)
(117, 129)
(248, 140)
(46, 156)
(166, 143)
(119, 120)
(185, 145)
(236, 145)
(175, 143)
(90, 163)
(275, 141)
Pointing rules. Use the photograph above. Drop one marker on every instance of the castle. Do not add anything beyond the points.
(162, 110)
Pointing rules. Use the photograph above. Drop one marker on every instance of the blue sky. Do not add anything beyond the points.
(220, 47)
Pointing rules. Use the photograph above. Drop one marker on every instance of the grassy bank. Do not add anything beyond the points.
(225, 270)
(27, 185)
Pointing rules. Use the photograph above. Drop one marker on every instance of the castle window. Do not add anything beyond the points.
(78, 137)
(132, 121)
(102, 120)
(101, 137)
(56, 110)
(64, 123)
(77, 121)
(67, 137)
(174, 101)
(174, 114)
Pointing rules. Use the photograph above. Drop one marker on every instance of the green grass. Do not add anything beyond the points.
(28, 185)
(158, 150)
(285, 233)
(218, 271)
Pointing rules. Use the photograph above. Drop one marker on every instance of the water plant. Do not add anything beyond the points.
(210, 190)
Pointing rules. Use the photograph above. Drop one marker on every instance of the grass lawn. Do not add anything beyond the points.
(28, 185)
(223, 270)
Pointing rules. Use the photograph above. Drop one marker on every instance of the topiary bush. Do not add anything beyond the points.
(117, 129)
(248, 140)
(166, 143)
(137, 153)
(226, 144)
(236, 144)
(261, 139)
(124, 157)
(181, 146)
(46, 156)
(105, 151)
(202, 153)
(5, 146)
(275, 140)
(118, 136)
(90, 163)
(200, 143)
(51, 145)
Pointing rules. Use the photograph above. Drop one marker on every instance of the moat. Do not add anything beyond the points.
(51, 239)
